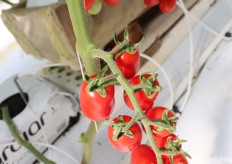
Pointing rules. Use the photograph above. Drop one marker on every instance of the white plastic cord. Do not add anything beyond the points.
(203, 24)
(165, 76)
(189, 87)
(48, 146)
(81, 65)
(59, 150)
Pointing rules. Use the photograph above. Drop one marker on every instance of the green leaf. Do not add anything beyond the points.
(117, 42)
(126, 35)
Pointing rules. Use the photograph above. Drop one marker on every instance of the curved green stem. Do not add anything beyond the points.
(132, 121)
(107, 57)
(84, 42)
(20, 140)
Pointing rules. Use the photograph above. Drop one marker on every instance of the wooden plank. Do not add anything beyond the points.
(175, 35)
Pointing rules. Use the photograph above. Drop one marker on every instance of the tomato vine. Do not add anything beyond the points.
(97, 82)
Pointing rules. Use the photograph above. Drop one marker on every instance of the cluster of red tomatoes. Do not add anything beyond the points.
(97, 103)
(165, 6)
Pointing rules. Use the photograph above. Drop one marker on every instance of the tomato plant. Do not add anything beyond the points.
(147, 94)
(167, 6)
(88, 4)
(151, 3)
(112, 3)
(164, 114)
(124, 141)
(94, 105)
(128, 63)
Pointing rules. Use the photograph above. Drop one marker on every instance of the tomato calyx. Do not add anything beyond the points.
(99, 82)
(128, 45)
(170, 121)
(174, 147)
(165, 123)
(120, 129)
(148, 85)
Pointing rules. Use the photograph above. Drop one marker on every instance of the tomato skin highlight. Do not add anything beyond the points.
(166, 6)
(88, 4)
(129, 64)
(125, 143)
(94, 106)
(144, 101)
(151, 3)
(156, 113)
(143, 154)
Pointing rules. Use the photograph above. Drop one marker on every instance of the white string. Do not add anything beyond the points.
(165, 76)
(203, 24)
(48, 146)
(59, 150)
(189, 87)
(81, 65)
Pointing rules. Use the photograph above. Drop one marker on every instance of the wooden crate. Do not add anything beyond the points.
(56, 42)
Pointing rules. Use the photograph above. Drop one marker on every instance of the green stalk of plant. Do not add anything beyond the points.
(86, 48)
(13, 129)
(84, 42)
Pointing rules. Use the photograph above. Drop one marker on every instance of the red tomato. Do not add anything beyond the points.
(143, 154)
(88, 4)
(125, 143)
(128, 64)
(151, 3)
(178, 159)
(144, 101)
(112, 3)
(167, 6)
(156, 113)
(163, 141)
(95, 106)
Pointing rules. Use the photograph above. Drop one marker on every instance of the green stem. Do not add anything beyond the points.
(18, 138)
(87, 140)
(132, 121)
(84, 45)
(107, 57)
(84, 42)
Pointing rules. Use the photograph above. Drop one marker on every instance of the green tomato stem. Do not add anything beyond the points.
(84, 42)
(13, 129)
(107, 57)
(87, 140)
(132, 121)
